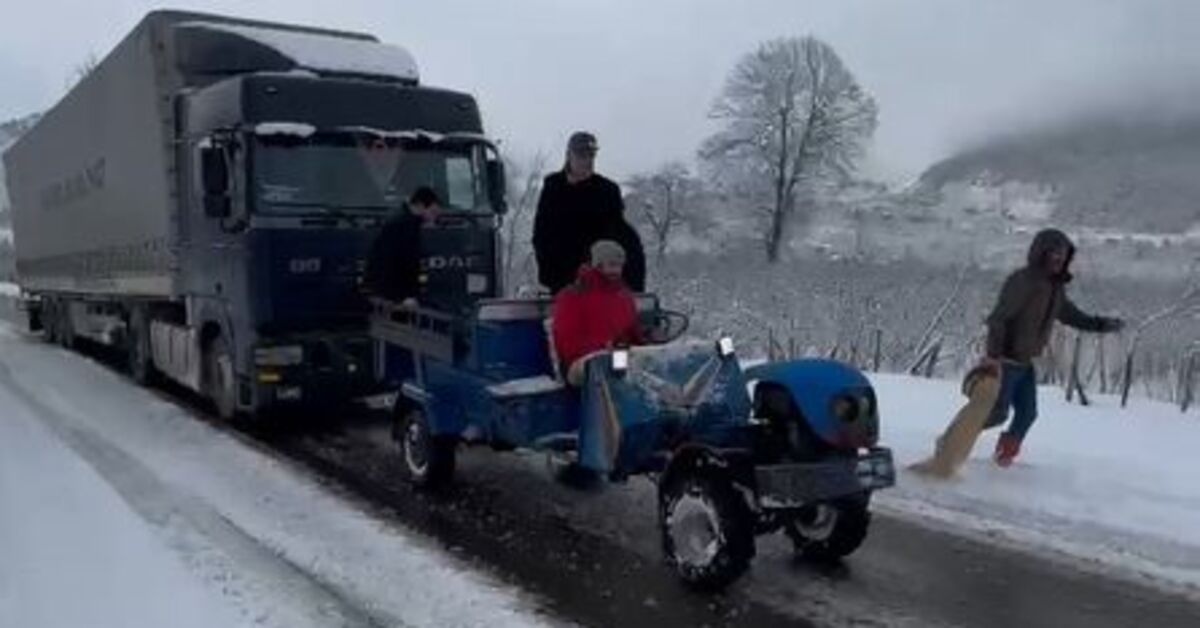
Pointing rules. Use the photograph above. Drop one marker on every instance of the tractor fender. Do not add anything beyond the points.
(813, 385)
(736, 464)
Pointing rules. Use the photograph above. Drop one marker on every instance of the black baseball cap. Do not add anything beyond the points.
(583, 143)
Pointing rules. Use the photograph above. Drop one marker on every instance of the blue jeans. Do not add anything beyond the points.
(1018, 390)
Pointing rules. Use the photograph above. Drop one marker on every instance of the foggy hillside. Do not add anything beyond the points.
(1115, 172)
(10, 131)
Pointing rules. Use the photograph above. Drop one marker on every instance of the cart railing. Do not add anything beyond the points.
(423, 331)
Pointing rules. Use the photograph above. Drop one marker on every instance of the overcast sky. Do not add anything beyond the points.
(641, 73)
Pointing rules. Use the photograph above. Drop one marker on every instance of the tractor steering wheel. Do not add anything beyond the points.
(666, 326)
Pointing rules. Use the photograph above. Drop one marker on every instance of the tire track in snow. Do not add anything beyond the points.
(167, 508)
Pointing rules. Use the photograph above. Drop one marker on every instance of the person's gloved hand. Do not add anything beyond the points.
(1110, 325)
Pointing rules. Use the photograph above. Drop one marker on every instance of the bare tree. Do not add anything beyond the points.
(661, 199)
(83, 69)
(524, 186)
(793, 114)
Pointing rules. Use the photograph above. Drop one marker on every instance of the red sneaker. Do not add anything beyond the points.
(1007, 449)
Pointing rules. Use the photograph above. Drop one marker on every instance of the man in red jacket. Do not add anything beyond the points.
(598, 311)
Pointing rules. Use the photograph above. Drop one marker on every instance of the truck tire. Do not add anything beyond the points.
(137, 349)
(220, 385)
(707, 528)
(428, 459)
(50, 322)
(59, 330)
(829, 531)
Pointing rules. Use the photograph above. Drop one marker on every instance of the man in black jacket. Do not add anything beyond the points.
(577, 208)
(394, 265)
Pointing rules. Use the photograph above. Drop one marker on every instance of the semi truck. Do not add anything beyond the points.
(204, 199)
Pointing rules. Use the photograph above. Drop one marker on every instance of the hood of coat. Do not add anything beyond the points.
(1043, 244)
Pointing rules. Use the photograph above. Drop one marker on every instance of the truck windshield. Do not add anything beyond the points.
(365, 172)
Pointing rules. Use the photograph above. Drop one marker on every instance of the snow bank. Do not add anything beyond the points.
(107, 568)
(1098, 483)
(328, 53)
(263, 537)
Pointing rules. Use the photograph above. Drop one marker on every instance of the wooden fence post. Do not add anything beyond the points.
(1189, 382)
(878, 357)
(1103, 364)
(1073, 374)
(933, 358)
(1127, 380)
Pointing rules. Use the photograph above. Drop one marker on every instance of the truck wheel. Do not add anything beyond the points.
(50, 322)
(707, 529)
(141, 366)
(830, 530)
(64, 332)
(429, 459)
(220, 386)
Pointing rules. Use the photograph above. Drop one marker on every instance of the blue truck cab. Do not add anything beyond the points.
(204, 201)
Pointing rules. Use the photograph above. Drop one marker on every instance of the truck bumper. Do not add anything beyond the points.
(786, 486)
(333, 371)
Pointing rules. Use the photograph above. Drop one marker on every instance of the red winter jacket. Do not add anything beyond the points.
(593, 314)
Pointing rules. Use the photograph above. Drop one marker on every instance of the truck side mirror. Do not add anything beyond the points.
(214, 173)
(497, 186)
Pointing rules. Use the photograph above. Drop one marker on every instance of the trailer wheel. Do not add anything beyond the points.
(707, 529)
(50, 322)
(428, 459)
(64, 332)
(220, 386)
(141, 365)
(831, 530)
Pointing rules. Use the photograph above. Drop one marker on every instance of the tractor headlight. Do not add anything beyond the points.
(289, 355)
(845, 408)
(620, 360)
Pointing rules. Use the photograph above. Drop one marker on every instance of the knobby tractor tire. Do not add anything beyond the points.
(428, 459)
(220, 386)
(832, 530)
(707, 528)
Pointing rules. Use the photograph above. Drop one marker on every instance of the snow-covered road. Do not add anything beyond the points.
(119, 509)
(181, 519)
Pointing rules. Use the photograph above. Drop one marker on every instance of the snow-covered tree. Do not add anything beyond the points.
(663, 200)
(524, 187)
(793, 117)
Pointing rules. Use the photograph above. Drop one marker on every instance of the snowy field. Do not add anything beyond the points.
(1118, 488)
(117, 509)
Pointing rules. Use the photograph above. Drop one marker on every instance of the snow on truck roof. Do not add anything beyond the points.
(325, 52)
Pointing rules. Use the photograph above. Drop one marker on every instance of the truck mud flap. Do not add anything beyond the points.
(795, 485)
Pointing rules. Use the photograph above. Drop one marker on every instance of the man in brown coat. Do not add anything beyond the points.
(1019, 327)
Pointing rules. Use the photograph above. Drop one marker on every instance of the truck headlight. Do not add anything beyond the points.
(288, 355)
